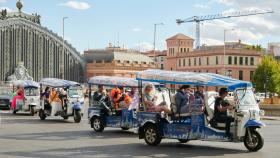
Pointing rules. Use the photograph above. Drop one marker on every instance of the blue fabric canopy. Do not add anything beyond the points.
(55, 82)
(191, 78)
(26, 83)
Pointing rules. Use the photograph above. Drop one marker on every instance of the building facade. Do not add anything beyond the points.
(236, 61)
(158, 56)
(24, 40)
(114, 61)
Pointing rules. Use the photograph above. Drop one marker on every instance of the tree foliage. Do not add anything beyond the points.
(268, 72)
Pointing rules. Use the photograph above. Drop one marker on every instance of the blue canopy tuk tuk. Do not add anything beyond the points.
(195, 125)
(102, 113)
(70, 103)
(31, 96)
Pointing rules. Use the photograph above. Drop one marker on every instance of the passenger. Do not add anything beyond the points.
(120, 99)
(135, 99)
(46, 93)
(63, 97)
(220, 111)
(197, 100)
(149, 98)
(54, 97)
(182, 99)
(18, 100)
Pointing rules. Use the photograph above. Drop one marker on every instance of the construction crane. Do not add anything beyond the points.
(198, 19)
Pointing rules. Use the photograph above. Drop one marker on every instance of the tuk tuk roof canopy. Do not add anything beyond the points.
(191, 78)
(113, 81)
(26, 83)
(55, 82)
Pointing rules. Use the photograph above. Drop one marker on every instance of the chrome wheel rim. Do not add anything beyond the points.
(151, 135)
(254, 142)
(96, 124)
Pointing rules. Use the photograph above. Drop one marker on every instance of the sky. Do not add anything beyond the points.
(130, 23)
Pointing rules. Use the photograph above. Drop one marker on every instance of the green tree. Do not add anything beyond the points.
(268, 72)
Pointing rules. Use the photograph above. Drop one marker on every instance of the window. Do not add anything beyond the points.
(185, 49)
(181, 49)
(188, 49)
(207, 71)
(199, 61)
(240, 75)
(184, 62)
(229, 60)
(190, 62)
(251, 75)
(161, 66)
(246, 61)
(179, 62)
(235, 60)
(161, 58)
(252, 62)
(217, 71)
(217, 60)
(194, 61)
(229, 73)
(240, 60)
(207, 60)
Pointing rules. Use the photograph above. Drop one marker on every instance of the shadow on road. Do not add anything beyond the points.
(132, 150)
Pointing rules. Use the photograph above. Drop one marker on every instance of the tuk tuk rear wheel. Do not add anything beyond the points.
(77, 116)
(151, 135)
(42, 115)
(183, 140)
(97, 124)
(257, 140)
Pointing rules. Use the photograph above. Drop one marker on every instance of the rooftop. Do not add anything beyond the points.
(180, 36)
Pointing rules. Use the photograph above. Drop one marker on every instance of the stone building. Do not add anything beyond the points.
(158, 56)
(24, 40)
(114, 61)
(238, 62)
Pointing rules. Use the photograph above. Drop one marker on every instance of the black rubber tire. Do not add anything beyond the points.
(42, 115)
(183, 140)
(97, 124)
(124, 128)
(257, 140)
(151, 135)
(77, 116)
(32, 110)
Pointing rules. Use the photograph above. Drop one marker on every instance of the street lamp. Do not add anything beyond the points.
(224, 61)
(155, 31)
(63, 20)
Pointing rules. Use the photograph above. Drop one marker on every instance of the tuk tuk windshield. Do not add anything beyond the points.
(246, 97)
(31, 92)
(74, 93)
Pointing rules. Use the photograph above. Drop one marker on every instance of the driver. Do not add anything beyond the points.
(101, 93)
(220, 111)
(120, 98)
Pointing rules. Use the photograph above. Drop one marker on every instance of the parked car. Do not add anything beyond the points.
(5, 99)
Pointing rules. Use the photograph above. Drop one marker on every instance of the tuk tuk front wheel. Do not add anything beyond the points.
(255, 143)
(183, 140)
(97, 124)
(151, 135)
(42, 114)
(124, 128)
(32, 110)
(77, 116)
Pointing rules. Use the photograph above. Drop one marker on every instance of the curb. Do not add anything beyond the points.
(271, 118)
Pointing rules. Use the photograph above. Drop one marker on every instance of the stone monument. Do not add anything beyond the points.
(20, 73)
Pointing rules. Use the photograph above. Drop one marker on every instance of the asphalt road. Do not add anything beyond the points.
(25, 136)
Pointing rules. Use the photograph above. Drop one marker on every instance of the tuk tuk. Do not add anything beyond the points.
(65, 99)
(196, 125)
(31, 99)
(102, 113)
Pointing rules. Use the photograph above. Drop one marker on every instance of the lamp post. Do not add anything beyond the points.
(63, 21)
(155, 31)
(224, 61)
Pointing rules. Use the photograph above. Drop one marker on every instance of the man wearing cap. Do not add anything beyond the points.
(182, 99)
(220, 111)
